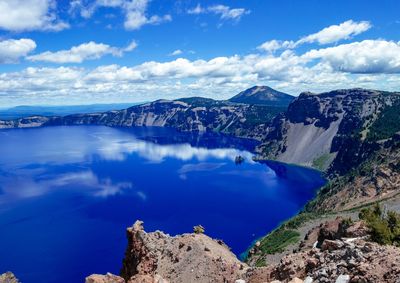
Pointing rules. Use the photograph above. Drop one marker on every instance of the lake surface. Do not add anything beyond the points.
(67, 194)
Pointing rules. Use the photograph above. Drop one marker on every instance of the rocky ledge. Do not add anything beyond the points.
(336, 251)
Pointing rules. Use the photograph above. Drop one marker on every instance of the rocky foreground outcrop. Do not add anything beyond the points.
(351, 260)
(339, 251)
(8, 277)
(336, 251)
(158, 257)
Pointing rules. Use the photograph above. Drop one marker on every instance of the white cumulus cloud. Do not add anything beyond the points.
(13, 49)
(368, 57)
(331, 34)
(341, 66)
(26, 15)
(85, 51)
(335, 33)
(274, 45)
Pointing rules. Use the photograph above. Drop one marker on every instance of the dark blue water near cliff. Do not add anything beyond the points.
(68, 193)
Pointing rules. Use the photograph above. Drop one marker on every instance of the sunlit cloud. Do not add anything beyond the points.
(85, 51)
(28, 15)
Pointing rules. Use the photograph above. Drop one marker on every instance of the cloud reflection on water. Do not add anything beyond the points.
(27, 173)
(119, 149)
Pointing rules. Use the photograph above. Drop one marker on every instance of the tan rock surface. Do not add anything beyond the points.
(108, 278)
(8, 277)
(184, 258)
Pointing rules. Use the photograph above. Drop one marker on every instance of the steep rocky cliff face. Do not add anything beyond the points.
(194, 114)
(327, 131)
(30, 122)
(375, 179)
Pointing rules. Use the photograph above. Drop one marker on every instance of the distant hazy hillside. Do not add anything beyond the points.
(263, 95)
(26, 111)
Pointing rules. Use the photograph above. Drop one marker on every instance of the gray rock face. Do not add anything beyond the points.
(375, 179)
(242, 120)
(30, 122)
(326, 130)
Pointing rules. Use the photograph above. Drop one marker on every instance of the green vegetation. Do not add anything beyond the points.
(347, 222)
(285, 235)
(198, 229)
(259, 114)
(260, 262)
(278, 240)
(384, 228)
(298, 220)
(321, 162)
(387, 124)
(202, 101)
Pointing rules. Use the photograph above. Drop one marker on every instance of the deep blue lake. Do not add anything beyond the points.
(67, 194)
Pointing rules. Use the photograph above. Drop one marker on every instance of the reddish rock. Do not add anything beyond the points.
(330, 230)
(181, 259)
(357, 229)
(108, 278)
(329, 245)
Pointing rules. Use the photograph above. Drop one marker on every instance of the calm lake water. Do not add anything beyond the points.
(67, 195)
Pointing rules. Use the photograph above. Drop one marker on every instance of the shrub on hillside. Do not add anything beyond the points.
(384, 227)
(198, 229)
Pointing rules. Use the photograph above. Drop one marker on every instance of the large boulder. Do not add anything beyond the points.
(183, 258)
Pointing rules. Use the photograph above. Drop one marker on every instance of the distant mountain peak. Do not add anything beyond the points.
(263, 95)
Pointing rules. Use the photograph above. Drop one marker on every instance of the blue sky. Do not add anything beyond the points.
(102, 51)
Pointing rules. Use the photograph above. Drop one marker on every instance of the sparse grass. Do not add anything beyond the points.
(278, 240)
(283, 236)
(321, 162)
(260, 262)
(298, 220)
